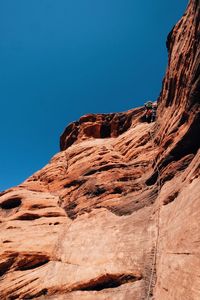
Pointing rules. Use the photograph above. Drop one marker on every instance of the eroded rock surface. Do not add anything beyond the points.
(116, 214)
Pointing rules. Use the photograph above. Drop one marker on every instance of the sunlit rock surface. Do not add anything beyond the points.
(116, 214)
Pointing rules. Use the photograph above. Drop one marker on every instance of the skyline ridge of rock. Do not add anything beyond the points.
(115, 214)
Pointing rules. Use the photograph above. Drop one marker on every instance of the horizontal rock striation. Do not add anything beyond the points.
(115, 214)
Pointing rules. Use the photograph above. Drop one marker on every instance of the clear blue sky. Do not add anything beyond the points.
(60, 59)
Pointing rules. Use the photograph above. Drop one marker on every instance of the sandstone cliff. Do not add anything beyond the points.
(115, 214)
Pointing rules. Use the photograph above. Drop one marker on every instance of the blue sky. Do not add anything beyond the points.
(61, 59)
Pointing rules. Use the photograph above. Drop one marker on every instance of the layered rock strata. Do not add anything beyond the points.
(115, 214)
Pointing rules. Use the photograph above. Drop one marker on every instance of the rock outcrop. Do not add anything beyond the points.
(116, 214)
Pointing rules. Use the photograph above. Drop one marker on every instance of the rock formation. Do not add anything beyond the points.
(115, 215)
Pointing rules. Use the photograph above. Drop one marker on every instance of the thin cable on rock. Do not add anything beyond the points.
(157, 233)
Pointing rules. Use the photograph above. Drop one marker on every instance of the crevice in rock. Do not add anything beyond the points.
(125, 178)
(43, 292)
(28, 217)
(166, 161)
(104, 168)
(29, 262)
(152, 180)
(167, 177)
(176, 166)
(168, 143)
(70, 210)
(189, 144)
(75, 183)
(117, 190)
(6, 265)
(171, 198)
(11, 203)
(12, 227)
(107, 281)
(52, 214)
(40, 206)
(105, 130)
(97, 191)
(183, 119)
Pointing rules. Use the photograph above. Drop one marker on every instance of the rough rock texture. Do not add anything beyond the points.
(116, 214)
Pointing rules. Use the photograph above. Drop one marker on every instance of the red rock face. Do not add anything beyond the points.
(98, 126)
(115, 214)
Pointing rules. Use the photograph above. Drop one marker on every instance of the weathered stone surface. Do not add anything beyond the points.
(116, 214)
